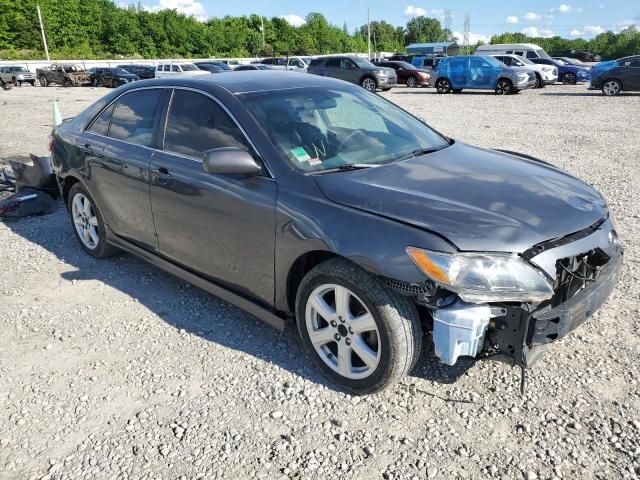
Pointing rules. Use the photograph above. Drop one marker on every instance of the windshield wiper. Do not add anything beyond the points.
(418, 152)
(344, 168)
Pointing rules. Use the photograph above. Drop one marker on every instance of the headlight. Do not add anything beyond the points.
(484, 277)
(546, 69)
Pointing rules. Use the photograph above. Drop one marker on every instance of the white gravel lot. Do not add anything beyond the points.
(115, 370)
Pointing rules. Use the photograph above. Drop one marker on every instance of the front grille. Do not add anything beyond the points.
(575, 273)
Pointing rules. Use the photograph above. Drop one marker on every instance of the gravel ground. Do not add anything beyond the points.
(113, 369)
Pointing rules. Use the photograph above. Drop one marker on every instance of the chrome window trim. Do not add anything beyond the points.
(161, 149)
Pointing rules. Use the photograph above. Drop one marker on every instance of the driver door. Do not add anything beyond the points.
(482, 74)
(221, 226)
(350, 71)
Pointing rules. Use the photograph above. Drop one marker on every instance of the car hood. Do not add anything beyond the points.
(480, 200)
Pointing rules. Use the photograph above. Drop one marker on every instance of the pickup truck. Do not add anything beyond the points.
(17, 75)
(67, 75)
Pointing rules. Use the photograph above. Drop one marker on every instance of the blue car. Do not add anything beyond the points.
(567, 73)
(480, 72)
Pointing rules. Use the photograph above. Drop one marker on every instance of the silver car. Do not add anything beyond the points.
(17, 75)
(355, 70)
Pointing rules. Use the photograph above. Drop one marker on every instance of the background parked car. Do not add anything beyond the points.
(572, 61)
(584, 56)
(616, 76)
(253, 66)
(210, 67)
(527, 50)
(567, 73)
(408, 74)
(65, 74)
(17, 75)
(481, 72)
(545, 74)
(142, 71)
(355, 70)
(182, 68)
(217, 63)
(110, 77)
(296, 64)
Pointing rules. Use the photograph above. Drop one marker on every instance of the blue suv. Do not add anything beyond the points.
(567, 73)
(480, 72)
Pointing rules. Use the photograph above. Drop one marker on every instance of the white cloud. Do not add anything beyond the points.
(437, 12)
(537, 32)
(512, 19)
(188, 7)
(532, 17)
(474, 38)
(588, 30)
(413, 12)
(619, 26)
(293, 19)
(564, 8)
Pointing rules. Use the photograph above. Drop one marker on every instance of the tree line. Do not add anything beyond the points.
(99, 29)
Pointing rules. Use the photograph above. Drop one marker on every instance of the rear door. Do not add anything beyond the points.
(332, 68)
(630, 74)
(117, 149)
(221, 226)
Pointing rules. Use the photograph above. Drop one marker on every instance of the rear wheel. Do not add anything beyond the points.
(88, 224)
(67, 82)
(43, 81)
(15, 81)
(369, 84)
(539, 82)
(412, 82)
(569, 79)
(611, 87)
(94, 82)
(443, 85)
(504, 87)
(361, 334)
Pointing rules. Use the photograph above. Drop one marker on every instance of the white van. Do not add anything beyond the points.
(296, 64)
(169, 69)
(526, 50)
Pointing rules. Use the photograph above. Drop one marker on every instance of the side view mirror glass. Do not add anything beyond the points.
(230, 160)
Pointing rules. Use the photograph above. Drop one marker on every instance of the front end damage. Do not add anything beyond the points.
(584, 267)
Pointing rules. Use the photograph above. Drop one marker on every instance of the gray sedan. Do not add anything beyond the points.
(356, 70)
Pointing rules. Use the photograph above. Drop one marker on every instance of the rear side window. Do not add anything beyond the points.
(316, 62)
(101, 124)
(532, 54)
(333, 62)
(134, 115)
(196, 124)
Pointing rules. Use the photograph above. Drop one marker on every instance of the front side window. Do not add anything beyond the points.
(532, 54)
(319, 128)
(175, 68)
(348, 64)
(134, 115)
(196, 123)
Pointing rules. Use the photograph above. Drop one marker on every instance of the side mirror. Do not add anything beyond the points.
(230, 160)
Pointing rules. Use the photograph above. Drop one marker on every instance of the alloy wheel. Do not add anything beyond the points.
(343, 331)
(570, 79)
(503, 87)
(369, 84)
(85, 221)
(611, 88)
(411, 82)
(443, 86)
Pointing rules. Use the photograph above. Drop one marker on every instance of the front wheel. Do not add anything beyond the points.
(504, 87)
(15, 82)
(369, 84)
(611, 88)
(569, 79)
(43, 81)
(67, 82)
(443, 85)
(361, 334)
(412, 82)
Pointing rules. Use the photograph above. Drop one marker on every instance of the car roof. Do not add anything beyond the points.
(251, 81)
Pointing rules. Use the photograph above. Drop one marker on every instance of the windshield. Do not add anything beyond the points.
(18, 69)
(188, 67)
(526, 61)
(318, 129)
(407, 65)
(362, 63)
(560, 61)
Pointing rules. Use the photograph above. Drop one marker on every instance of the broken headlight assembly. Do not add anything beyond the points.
(484, 277)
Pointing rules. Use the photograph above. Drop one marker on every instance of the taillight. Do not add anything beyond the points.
(51, 142)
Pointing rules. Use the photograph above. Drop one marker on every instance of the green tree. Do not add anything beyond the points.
(424, 30)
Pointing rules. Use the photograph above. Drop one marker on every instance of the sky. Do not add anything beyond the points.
(546, 18)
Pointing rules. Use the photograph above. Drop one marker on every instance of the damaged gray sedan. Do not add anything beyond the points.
(303, 198)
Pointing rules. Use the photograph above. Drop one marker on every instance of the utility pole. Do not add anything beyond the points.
(44, 37)
(467, 28)
(262, 28)
(447, 23)
(369, 32)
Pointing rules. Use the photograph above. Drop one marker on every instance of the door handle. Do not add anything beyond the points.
(86, 148)
(163, 171)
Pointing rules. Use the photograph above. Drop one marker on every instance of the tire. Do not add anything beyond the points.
(94, 82)
(32, 83)
(391, 338)
(504, 87)
(569, 79)
(67, 83)
(539, 82)
(611, 87)
(369, 84)
(90, 219)
(43, 81)
(443, 85)
(15, 82)
(412, 82)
